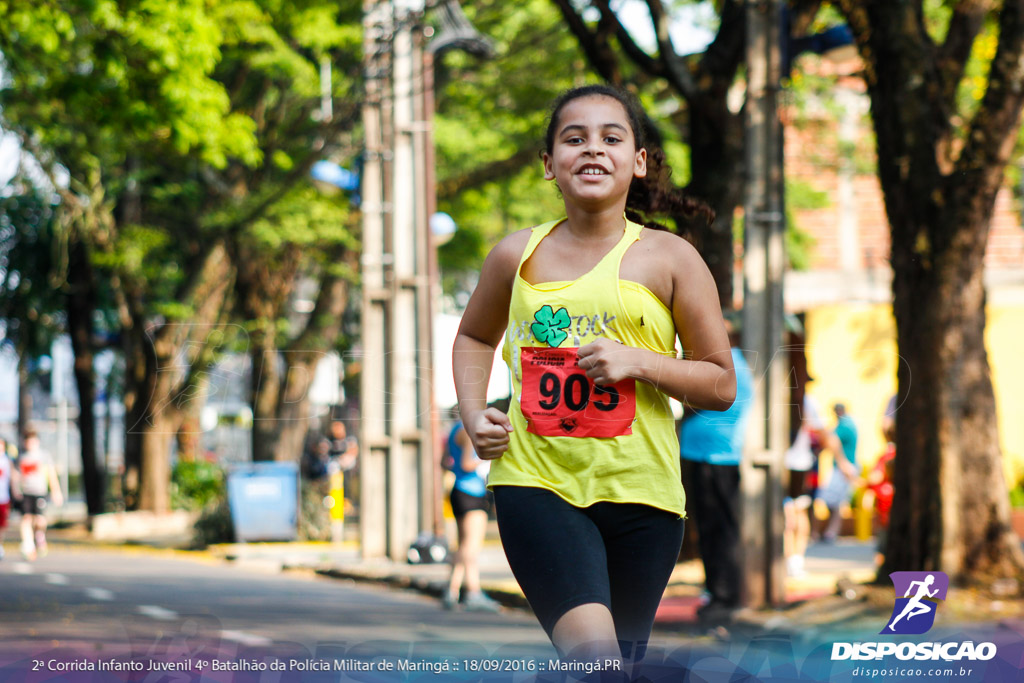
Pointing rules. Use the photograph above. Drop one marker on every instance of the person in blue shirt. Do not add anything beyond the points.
(471, 504)
(843, 444)
(711, 445)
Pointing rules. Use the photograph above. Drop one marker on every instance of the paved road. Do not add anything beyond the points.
(160, 617)
(81, 608)
(81, 602)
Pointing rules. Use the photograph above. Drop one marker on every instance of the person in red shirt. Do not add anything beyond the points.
(5, 491)
(880, 484)
(35, 483)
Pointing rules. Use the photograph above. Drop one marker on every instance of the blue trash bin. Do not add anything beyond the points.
(264, 501)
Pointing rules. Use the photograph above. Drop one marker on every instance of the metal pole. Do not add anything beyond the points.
(376, 296)
(430, 504)
(404, 463)
(763, 265)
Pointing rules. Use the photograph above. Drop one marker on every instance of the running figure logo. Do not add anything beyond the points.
(914, 613)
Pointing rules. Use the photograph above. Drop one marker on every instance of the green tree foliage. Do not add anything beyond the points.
(491, 116)
(31, 308)
(101, 90)
(187, 129)
(283, 230)
(489, 127)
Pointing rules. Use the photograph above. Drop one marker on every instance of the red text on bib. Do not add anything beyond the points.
(560, 400)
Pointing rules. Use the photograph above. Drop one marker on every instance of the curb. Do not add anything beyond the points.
(428, 586)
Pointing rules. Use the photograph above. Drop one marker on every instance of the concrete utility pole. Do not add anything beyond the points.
(398, 461)
(763, 265)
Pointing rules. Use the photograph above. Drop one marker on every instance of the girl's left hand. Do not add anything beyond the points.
(607, 362)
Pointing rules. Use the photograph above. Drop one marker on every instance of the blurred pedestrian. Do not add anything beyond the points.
(5, 491)
(800, 460)
(316, 458)
(343, 447)
(843, 444)
(711, 445)
(471, 504)
(879, 482)
(344, 451)
(35, 484)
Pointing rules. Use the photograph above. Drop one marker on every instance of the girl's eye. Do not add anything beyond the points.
(574, 140)
(611, 139)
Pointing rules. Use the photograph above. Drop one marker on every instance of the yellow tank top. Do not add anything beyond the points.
(583, 442)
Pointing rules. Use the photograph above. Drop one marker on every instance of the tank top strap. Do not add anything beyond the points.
(537, 233)
(608, 268)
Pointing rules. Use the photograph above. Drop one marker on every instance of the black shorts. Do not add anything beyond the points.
(798, 484)
(462, 503)
(620, 555)
(33, 505)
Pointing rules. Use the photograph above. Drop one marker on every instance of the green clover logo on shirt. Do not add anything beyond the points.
(549, 325)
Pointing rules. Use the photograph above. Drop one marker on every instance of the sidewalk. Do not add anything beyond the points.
(845, 564)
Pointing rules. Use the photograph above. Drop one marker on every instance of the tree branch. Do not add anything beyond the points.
(991, 140)
(964, 26)
(726, 52)
(859, 21)
(802, 13)
(610, 21)
(451, 187)
(602, 60)
(205, 352)
(199, 292)
(324, 322)
(675, 69)
(300, 170)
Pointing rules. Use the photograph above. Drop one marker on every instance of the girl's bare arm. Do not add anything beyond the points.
(483, 326)
(704, 378)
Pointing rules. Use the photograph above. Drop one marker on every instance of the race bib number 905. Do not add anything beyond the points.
(560, 400)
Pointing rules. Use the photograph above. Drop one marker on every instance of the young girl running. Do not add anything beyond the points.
(586, 473)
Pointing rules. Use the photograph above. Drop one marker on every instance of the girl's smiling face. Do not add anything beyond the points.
(594, 156)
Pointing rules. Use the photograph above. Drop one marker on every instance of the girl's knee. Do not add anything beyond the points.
(586, 632)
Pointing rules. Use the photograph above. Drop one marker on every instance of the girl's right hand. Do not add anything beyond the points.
(488, 430)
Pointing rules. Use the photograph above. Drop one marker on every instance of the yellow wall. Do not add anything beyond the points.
(1004, 336)
(851, 353)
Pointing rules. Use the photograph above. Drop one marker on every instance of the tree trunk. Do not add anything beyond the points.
(150, 428)
(80, 308)
(951, 511)
(296, 424)
(137, 389)
(167, 381)
(24, 396)
(281, 418)
(294, 413)
(266, 393)
(154, 492)
(189, 436)
(281, 377)
(716, 150)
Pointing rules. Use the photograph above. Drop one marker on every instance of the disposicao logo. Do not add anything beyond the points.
(914, 613)
(917, 594)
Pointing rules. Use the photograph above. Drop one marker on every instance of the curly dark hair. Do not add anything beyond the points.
(653, 195)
